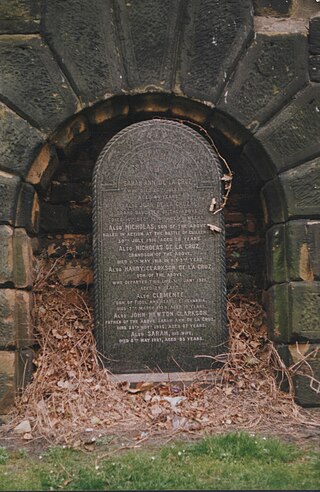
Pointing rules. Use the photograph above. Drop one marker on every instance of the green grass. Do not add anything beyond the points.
(232, 461)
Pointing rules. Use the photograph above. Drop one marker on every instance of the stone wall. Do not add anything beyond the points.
(250, 76)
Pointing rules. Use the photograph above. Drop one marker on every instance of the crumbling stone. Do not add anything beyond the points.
(27, 215)
(9, 190)
(43, 168)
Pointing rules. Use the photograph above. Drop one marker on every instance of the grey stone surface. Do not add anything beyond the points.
(149, 32)
(19, 142)
(160, 270)
(292, 136)
(83, 34)
(9, 190)
(20, 16)
(214, 35)
(16, 266)
(32, 82)
(293, 312)
(314, 35)
(273, 69)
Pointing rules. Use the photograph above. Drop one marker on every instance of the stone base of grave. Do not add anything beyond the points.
(184, 378)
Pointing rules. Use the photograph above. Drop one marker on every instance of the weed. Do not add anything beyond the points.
(3, 456)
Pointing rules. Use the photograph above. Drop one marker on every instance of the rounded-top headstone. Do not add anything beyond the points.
(159, 263)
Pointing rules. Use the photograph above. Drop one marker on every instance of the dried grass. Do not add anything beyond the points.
(71, 394)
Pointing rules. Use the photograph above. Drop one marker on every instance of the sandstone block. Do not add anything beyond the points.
(7, 380)
(9, 190)
(20, 16)
(43, 168)
(28, 210)
(72, 134)
(32, 81)
(15, 318)
(149, 56)
(214, 36)
(19, 142)
(86, 43)
(292, 251)
(15, 258)
(294, 312)
(291, 137)
(116, 107)
(273, 69)
(22, 259)
(75, 275)
(307, 374)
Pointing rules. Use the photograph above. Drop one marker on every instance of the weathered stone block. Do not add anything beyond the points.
(9, 190)
(292, 251)
(32, 81)
(274, 68)
(294, 193)
(108, 110)
(277, 8)
(314, 35)
(6, 254)
(15, 318)
(273, 202)
(43, 168)
(19, 142)
(15, 372)
(294, 312)
(7, 380)
(215, 34)
(185, 109)
(292, 136)
(71, 135)
(276, 260)
(306, 378)
(22, 259)
(28, 211)
(20, 16)
(314, 68)
(301, 187)
(15, 257)
(150, 103)
(83, 34)
(149, 38)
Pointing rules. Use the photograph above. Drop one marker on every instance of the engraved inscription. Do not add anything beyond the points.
(160, 281)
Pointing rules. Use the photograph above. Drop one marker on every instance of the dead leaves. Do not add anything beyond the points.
(70, 392)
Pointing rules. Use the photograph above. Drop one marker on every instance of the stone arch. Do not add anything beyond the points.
(252, 80)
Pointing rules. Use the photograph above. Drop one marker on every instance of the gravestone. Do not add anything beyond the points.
(159, 267)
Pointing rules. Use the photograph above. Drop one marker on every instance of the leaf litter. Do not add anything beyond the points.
(72, 399)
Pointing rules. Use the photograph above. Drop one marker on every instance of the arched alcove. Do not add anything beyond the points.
(253, 87)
